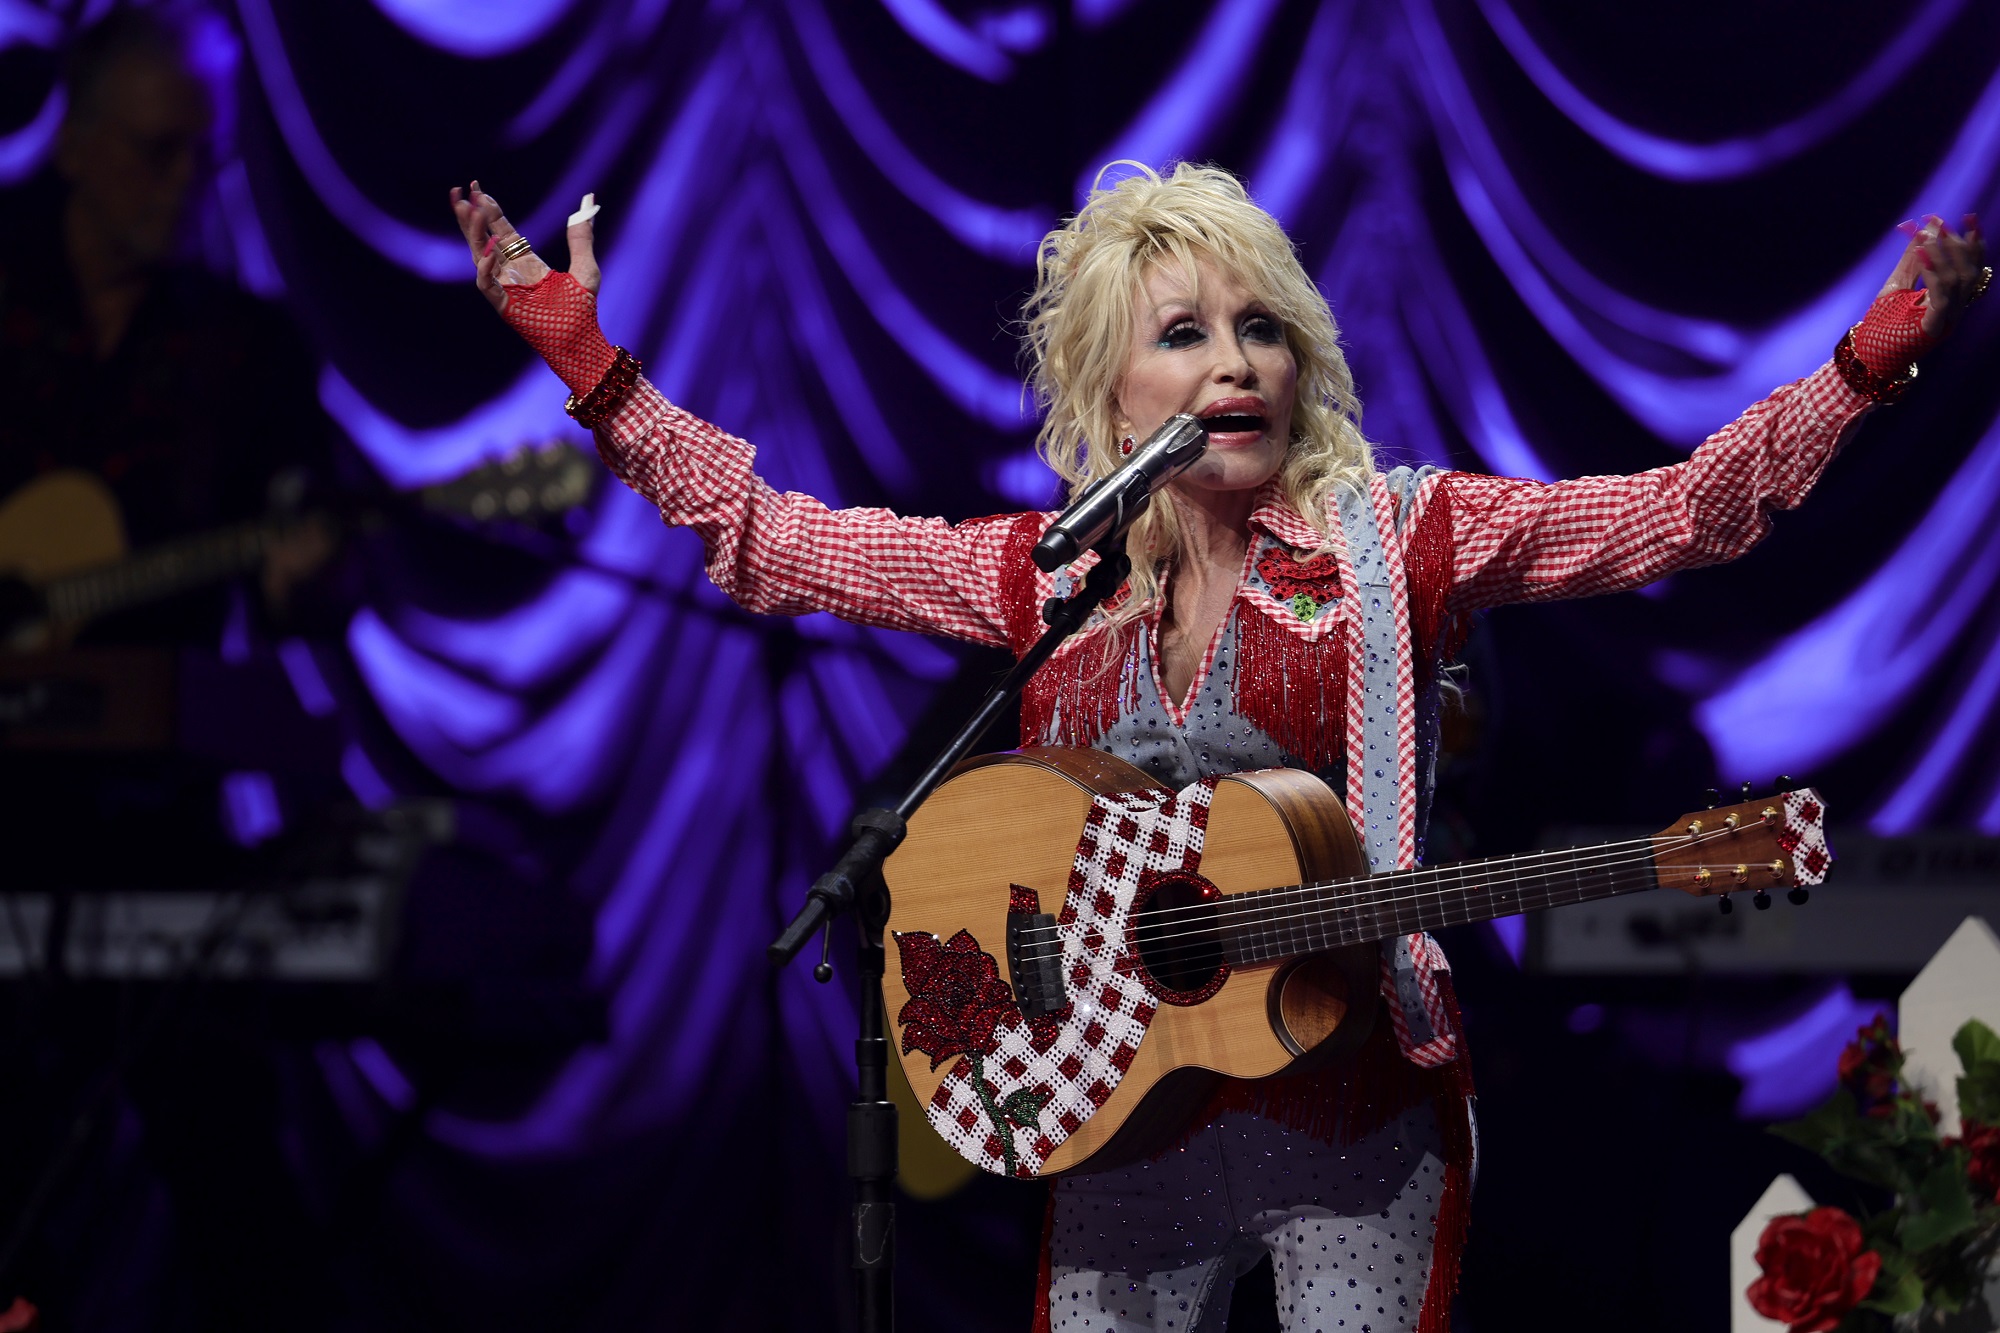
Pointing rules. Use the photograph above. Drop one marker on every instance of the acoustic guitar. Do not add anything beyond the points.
(64, 559)
(64, 562)
(1077, 956)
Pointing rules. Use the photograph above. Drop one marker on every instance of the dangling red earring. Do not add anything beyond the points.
(1126, 445)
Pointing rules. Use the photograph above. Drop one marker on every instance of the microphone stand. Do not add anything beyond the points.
(855, 885)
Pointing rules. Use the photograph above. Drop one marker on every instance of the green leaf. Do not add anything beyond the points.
(1979, 1094)
(1024, 1106)
(1898, 1295)
(1834, 1121)
(1976, 1044)
(1978, 1048)
(1878, 1231)
(1949, 1302)
(1945, 1211)
(1876, 1163)
(1910, 1125)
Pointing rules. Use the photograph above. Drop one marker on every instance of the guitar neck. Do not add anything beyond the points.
(159, 572)
(1271, 924)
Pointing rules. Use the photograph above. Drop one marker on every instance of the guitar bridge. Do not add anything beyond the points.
(1034, 956)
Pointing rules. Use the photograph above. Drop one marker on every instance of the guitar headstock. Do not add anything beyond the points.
(1778, 841)
(526, 485)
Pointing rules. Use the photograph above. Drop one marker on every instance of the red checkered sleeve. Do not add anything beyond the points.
(1530, 541)
(788, 554)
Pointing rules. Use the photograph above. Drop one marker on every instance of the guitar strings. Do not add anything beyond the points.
(1198, 940)
(1600, 862)
(1396, 880)
(1223, 913)
(1459, 873)
(1219, 916)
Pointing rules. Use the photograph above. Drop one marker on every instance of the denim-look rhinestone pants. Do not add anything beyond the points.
(1159, 1245)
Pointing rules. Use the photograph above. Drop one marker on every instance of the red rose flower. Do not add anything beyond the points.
(1815, 1270)
(1983, 1142)
(1868, 1067)
(957, 997)
(1852, 1057)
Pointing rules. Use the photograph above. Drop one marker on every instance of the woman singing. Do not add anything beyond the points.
(1289, 605)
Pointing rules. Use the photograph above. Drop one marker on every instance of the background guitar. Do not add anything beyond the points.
(64, 560)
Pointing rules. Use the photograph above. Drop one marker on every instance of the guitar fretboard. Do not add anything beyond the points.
(1270, 924)
(156, 573)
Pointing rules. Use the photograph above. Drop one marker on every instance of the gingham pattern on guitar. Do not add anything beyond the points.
(1126, 834)
(1804, 835)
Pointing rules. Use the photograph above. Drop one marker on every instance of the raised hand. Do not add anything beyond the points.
(1952, 267)
(488, 234)
(555, 312)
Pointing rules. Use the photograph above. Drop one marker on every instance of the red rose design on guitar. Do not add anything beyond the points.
(957, 1003)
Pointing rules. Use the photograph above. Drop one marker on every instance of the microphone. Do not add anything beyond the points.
(1114, 503)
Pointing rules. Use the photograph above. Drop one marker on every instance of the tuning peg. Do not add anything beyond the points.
(1747, 793)
(1785, 782)
(1724, 903)
(1761, 901)
(1797, 897)
(1714, 797)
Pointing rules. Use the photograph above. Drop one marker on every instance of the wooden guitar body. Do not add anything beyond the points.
(1014, 819)
(57, 524)
(1229, 929)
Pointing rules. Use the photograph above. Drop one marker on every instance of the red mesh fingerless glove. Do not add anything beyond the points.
(1892, 334)
(559, 320)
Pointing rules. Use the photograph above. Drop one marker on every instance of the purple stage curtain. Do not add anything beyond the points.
(1560, 240)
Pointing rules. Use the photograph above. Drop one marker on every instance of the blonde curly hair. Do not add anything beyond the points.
(1078, 332)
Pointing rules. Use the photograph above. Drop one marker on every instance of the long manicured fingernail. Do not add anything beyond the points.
(491, 241)
(1908, 227)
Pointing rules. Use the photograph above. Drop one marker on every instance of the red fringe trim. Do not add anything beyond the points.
(1089, 688)
(1020, 583)
(1043, 1270)
(1435, 634)
(1454, 1213)
(1083, 693)
(1293, 688)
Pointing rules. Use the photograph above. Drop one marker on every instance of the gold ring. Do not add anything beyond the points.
(1979, 288)
(515, 248)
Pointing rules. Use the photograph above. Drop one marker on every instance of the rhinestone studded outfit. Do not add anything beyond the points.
(1354, 1182)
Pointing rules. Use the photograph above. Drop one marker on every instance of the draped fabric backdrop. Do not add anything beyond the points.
(1560, 238)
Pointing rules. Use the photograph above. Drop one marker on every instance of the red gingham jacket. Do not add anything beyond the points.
(1511, 540)
(1508, 540)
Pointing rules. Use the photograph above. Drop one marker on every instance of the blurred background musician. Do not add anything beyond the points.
(146, 396)
(149, 402)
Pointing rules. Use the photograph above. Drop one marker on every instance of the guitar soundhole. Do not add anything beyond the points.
(1176, 937)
